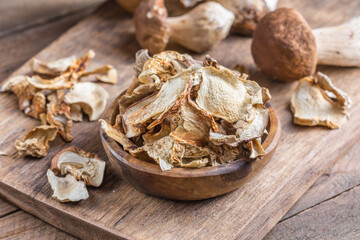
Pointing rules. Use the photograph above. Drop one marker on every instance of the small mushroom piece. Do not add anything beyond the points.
(84, 166)
(141, 57)
(52, 68)
(90, 96)
(76, 113)
(36, 142)
(152, 29)
(60, 82)
(255, 149)
(37, 107)
(284, 46)
(108, 74)
(202, 28)
(11, 82)
(247, 14)
(117, 135)
(311, 106)
(24, 93)
(67, 189)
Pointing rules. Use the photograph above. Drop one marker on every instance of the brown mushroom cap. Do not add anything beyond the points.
(284, 46)
(152, 30)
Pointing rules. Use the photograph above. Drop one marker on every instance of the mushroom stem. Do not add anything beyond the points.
(201, 28)
(339, 45)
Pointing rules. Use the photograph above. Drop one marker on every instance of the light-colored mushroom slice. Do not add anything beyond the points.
(76, 113)
(3, 153)
(311, 106)
(255, 148)
(36, 141)
(199, 163)
(52, 68)
(169, 96)
(326, 84)
(77, 68)
(132, 130)
(84, 166)
(117, 135)
(67, 189)
(58, 115)
(60, 82)
(137, 94)
(224, 95)
(141, 57)
(37, 107)
(90, 96)
(195, 127)
(164, 65)
(11, 82)
(24, 93)
(185, 155)
(108, 74)
(160, 151)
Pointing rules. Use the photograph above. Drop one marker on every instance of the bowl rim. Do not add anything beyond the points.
(125, 158)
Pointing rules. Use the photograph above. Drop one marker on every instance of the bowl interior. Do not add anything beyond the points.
(269, 144)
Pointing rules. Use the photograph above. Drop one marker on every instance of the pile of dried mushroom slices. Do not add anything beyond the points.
(179, 112)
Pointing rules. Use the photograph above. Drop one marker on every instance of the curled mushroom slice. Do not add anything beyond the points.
(52, 68)
(108, 74)
(326, 84)
(141, 57)
(311, 106)
(11, 82)
(255, 149)
(60, 82)
(36, 142)
(90, 96)
(169, 96)
(77, 68)
(84, 166)
(225, 95)
(76, 113)
(67, 189)
(164, 65)
(117, 135)
(58, 114)
(24, 93)
(37, 107)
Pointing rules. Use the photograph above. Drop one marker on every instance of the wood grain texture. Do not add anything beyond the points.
(337, 218)
(6, 208)
(21, 225)
(249, 212)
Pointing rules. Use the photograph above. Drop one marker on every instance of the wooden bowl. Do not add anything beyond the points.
(186, 183)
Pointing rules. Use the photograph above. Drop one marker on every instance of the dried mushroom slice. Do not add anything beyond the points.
(60, 82)
(67, 189)
(77, 68)
(84, 166)
(311, 106)
(90, 96)
(326, 84)
(37, 107)
(24, 93)
(76, 113)
(117, 135)
(141, 57)
(255, 149)
(52, 68)
(164, 65)
(169, 96)
(11, 82)
(132, 130)
(108, 74)
(36, 142)
(224, 95)
(58, 114)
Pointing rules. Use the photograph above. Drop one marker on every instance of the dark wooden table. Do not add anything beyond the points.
(330, 209)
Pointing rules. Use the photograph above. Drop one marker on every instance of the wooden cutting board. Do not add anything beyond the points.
(116, 210)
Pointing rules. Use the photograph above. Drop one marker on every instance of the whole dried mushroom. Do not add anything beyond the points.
(199, 114)
(316, 101)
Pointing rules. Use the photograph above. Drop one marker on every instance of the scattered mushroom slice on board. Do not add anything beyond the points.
(311, 105)
(36, 142)
(84, 166)
(90, 96)
(67, 189)
(11, 82)
(52, 68)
